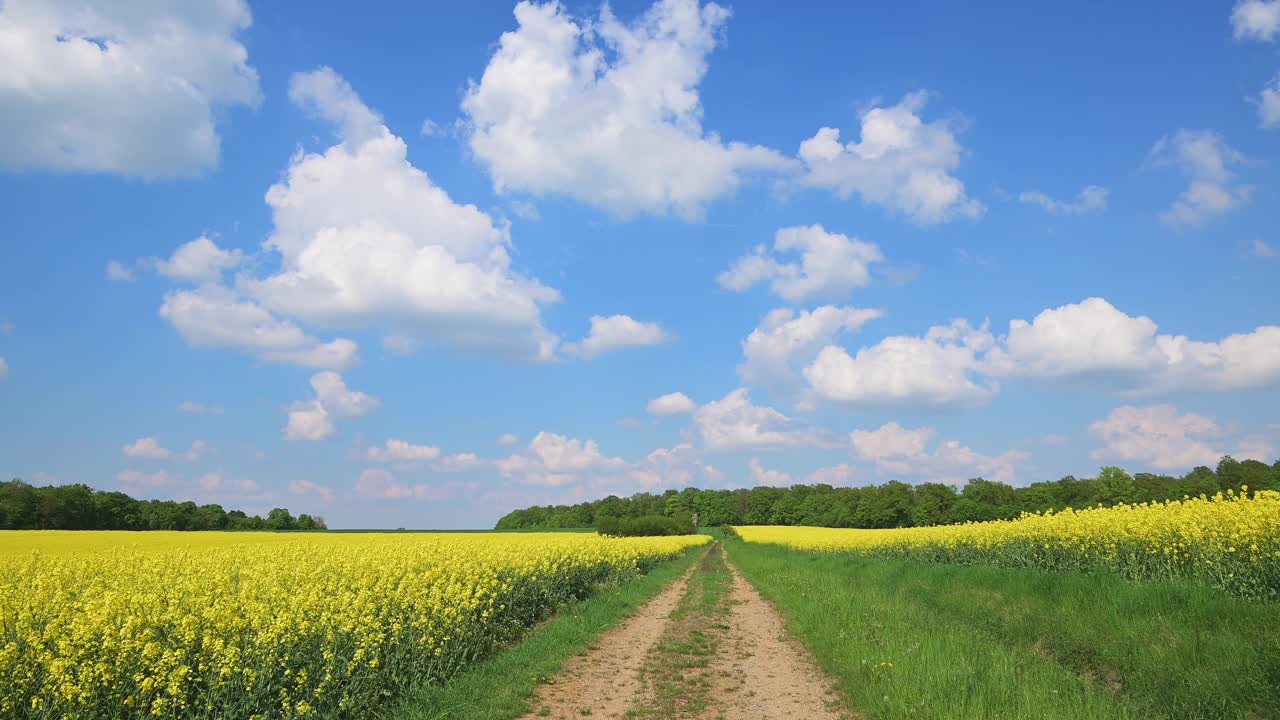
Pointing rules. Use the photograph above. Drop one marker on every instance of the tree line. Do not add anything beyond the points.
(898, 504)
(80, 507)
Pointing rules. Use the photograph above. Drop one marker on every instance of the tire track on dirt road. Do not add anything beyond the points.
(604, 681)
(707, 646)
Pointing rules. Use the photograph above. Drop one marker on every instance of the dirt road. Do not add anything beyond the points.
(708, 646)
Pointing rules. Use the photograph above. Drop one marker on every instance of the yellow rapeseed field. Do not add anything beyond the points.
(1231, 541)
(261, 625)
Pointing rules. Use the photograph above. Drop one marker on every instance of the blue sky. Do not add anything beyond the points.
(420, 266)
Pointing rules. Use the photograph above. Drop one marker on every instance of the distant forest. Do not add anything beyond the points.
(80, 507)
(898, 504)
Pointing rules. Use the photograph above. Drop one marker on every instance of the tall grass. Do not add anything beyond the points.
(910, 640)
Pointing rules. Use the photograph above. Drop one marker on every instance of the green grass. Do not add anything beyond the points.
(500, 688)
(985, 642)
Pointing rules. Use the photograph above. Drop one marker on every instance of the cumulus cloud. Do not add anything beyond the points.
(402, 451)
(616, 332)
(760, 475)
(364, 240)
(607, 112)
(314, 419)
(676, 403)
(1269, 103)
(939, 369)
(119, 272)
(212, 315)
(902, 451)
(127, 88)
(899, 162)
(552, 459)
(890, 440)
(676, 466)
(378, 484)
(1158, 435)
(200, 260)
(786, 341)
(1263, 249)
(507, 439)
(1205, 160)
(1256, 20)
(1094, 340)
(840, 474)
(831, 265)
(734, 422)
(307, 487)
(1090, 341)
(217, 481)
(149, 447)
(146, 447)
(1090, 199)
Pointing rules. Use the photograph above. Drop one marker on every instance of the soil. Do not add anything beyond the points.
(760, 672)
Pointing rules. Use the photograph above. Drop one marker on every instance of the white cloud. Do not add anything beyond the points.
(1158, 435)
(146, 447)
(671, 467)
(900, 162)
(128, 88)
(1263, 250)
(458, 462)
(1269, 102)
(733, 422)
(616, 332)
(1256, 20)
(313, 419)
(508, 439)
(840, 474)
(901, 451)
(552, 459)
(214, 481)
(149, 447)
(762, 476)
(936, 370)
(200, 260)
(365, 238)
(890, 440)
(676, 403)
(1090, 199)
(4, 369)
(307, 487)
(607, 113)
(1092, 339)
(786, 341)
(401, 451)
(138, 478)
(119, 272)
(195, 408)
(378, 483)
(215, 316)
(831, 265)
(1203, 157)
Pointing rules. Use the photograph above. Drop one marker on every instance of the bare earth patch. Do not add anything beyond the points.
(604, 681)
(769, 676)
(641, 669)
